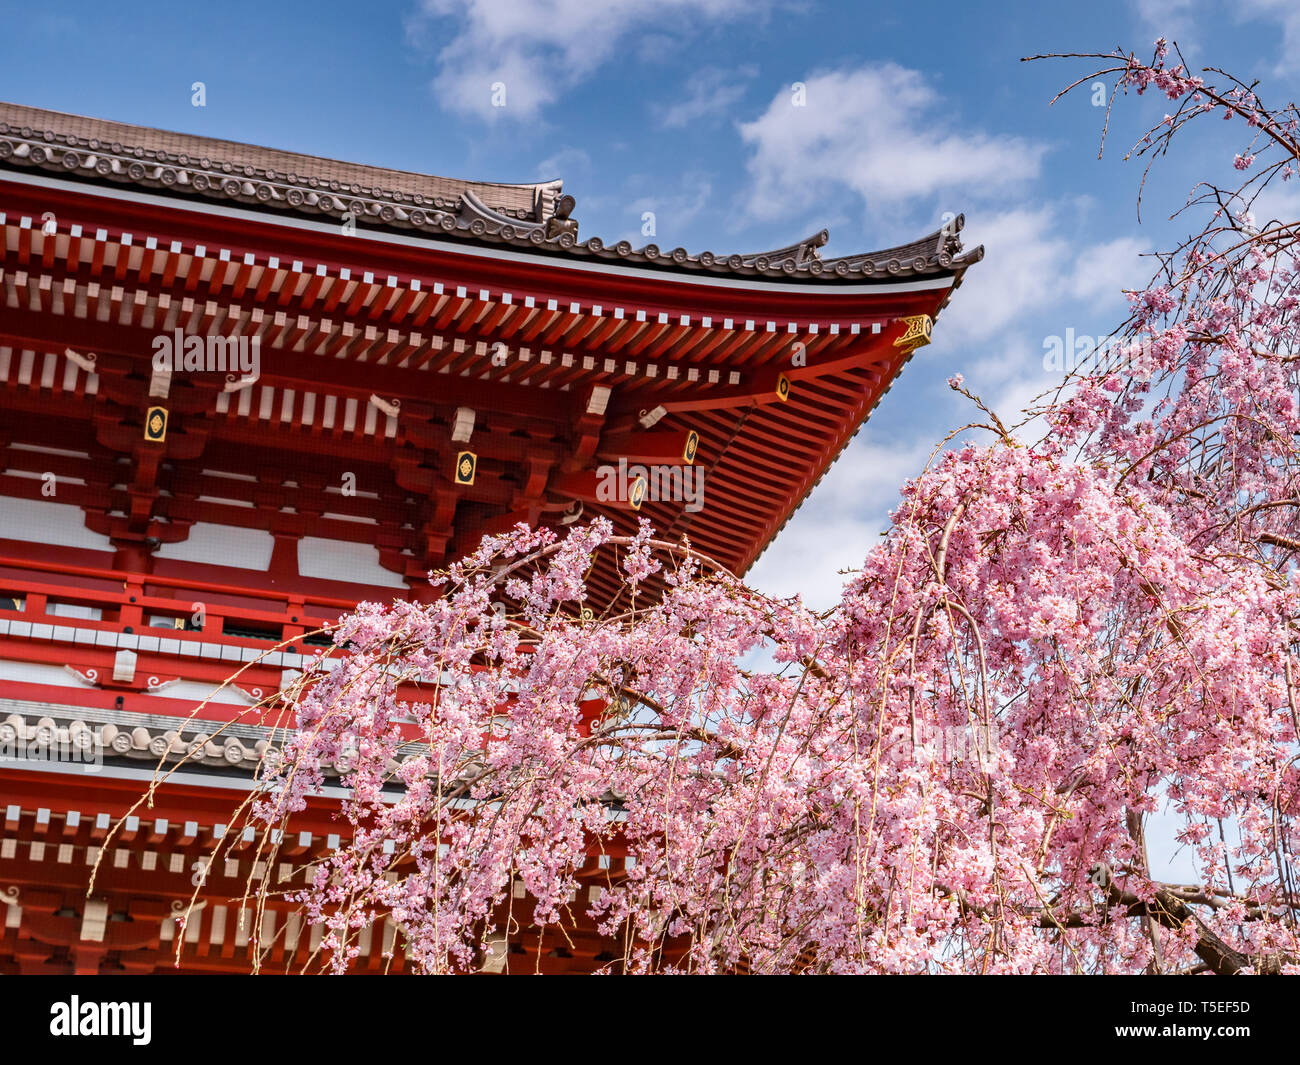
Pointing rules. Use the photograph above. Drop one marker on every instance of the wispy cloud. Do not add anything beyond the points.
(538, 49)
(1286, 13)
(674, 208)
(1184, 22)
(708, 94)
(1173, 19)
(565, 163)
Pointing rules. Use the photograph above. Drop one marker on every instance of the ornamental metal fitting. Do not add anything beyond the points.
(917, 333)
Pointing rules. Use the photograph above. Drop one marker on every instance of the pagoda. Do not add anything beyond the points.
(242, 390)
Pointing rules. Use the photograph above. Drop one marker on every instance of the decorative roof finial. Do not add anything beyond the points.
(560, 222)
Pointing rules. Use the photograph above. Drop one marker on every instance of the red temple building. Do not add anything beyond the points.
(388, 365)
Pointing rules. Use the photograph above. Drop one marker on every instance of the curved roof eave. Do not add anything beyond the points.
(533, 218)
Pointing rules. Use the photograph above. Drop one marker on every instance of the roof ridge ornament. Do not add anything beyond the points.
(482, 220)
(560, 222)
(798, 253)
(473, 209)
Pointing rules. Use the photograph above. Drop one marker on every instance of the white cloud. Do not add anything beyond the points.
(1171, 19)
(1008, 381)
(1176, 20)
(1023, 263)
(707, 94)
(1104, 270)
(883, 132)
(674, 211)
(564, 164)
(1287, 14)
(540, 48)
(1029, 267)
(1279, 202)
(1034, 282)
(840, 522)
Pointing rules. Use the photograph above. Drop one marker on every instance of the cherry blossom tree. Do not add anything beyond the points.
(952, 770)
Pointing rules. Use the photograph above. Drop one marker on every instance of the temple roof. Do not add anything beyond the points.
(533, 217)
(194, 155)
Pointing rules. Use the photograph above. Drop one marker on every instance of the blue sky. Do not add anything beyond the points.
(682, 107)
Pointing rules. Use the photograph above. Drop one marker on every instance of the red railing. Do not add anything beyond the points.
(290, 613)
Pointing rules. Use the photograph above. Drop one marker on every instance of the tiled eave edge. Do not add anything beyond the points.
(938, 254)
(124, 737)
(83, 735)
